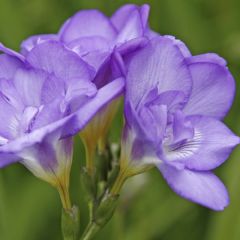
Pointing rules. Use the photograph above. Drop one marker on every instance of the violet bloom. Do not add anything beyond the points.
(46, 97)
(94, 36)
(174, 106)
(103, 43)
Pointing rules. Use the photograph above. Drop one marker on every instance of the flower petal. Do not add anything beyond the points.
(69, 125)
(207, 58)
(160, 64)
(121, 17)
(53, 57)
(28, 44)
(213, 90)
(29, 84)
(210, 146)
(133, 25)
(87, 23)
(84, 114)
(9, 65)
(8, 158)
(11, 52)
(9, 117)
(201, 187)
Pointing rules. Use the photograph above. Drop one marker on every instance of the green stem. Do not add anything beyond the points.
(90, 231)
(105, 211)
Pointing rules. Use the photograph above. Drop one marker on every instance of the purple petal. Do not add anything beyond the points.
(9, 65)
(28, 44)
(11, 94)
(121, 17)
(85, 45)
(111, 68)
(69, 125)
(97, 59)
(174, 100)
(210, 146)
(84, 114)
(182, 129)
(78, 93)
(132, 29)
(160, 64)
(132, 45)
(48, 113)
(201, 187)
(52, 89)
(29, 84)
(153, 121)
(9, 117)
(41, 156)
(181, 45)
(87, 23)
(8, 158)
(213, 90)
(216, 143)
(53, 57)
(207, 58)
(11, 52)
(50, 159)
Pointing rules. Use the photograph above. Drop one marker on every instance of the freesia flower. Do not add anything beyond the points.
(174, 106)
(94, 36)
(102, 42)
(46, 97)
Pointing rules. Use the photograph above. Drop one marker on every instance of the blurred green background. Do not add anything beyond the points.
(30, 209)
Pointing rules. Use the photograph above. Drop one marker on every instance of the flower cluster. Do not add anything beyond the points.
(71, 82)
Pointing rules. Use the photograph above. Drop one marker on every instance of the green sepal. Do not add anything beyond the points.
(105, 210)
(70, 223)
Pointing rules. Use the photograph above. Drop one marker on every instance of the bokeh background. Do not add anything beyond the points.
(30, 209)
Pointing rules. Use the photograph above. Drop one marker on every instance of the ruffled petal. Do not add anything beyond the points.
(213, 89)
(201, 187)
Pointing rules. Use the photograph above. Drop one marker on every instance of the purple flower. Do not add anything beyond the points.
(173, 108)
(94, 37)
(46, 97)
(103, 43)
